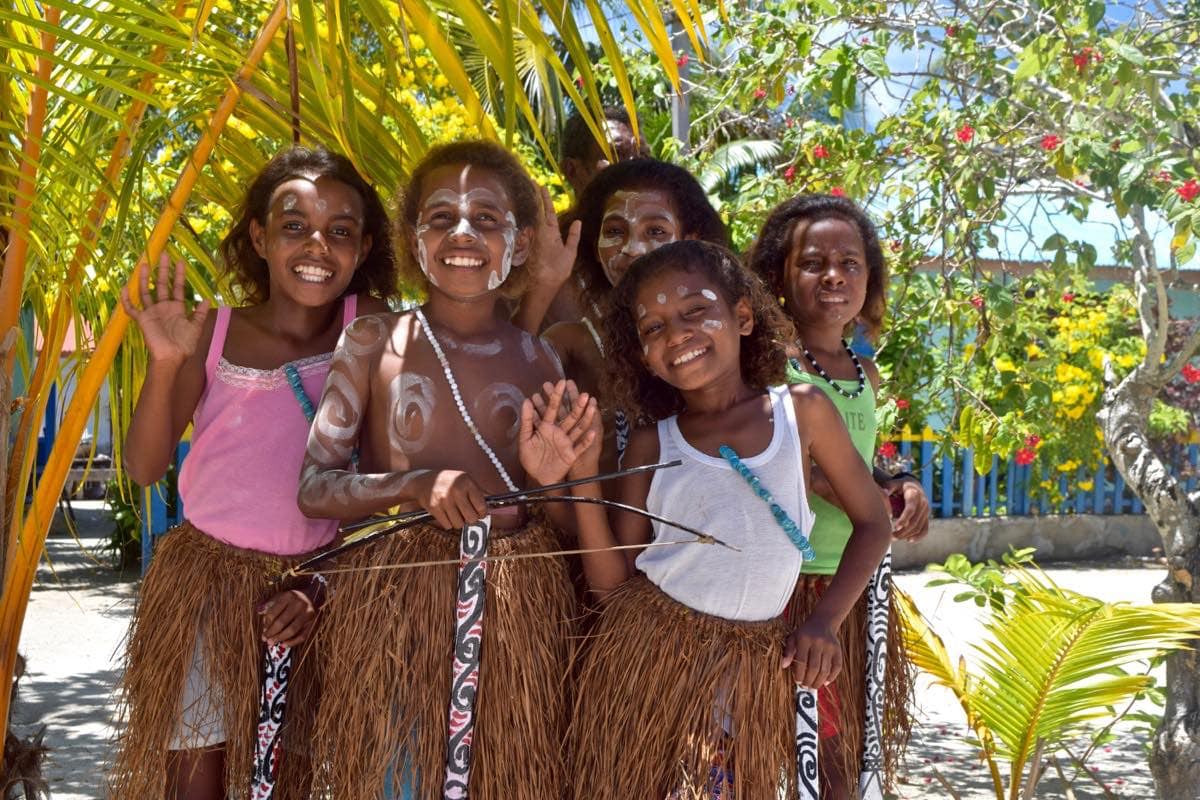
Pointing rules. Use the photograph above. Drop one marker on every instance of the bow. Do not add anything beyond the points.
(377, 527)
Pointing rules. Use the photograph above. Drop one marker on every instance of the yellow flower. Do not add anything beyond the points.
(1004, 364)
(1033, 351)
(1086, 486)
(1068, 466)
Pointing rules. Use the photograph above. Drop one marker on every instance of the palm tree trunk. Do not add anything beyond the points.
(1175, 759)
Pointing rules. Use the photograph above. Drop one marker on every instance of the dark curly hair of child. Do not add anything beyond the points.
(769, 253)
(522, 193)
(647, 398)
(377, 273)
(697, 218)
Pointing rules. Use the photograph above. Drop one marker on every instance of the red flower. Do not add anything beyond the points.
(1068, 297)
(1050, 142)
(682, 61)
(1032, 440)
(901, 403)
(952, 31)
(579, 82)
(789, 174)
(977, 301)
(1191, 374)
(1081, 60)
(837, 191)
(788, 122)
(965, 134)
(820, 152)
(897, 245)
(760, 93)
(1080, 182)
(1163, 176)
(1189, 190)
(888, 450)
(1025, 456)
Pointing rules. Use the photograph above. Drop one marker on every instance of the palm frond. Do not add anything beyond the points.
(733, 157)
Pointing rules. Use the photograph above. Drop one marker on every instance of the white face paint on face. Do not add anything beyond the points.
(634, 223)
(321, 204)
(712, 325)
(661, 298)
(641, 311)
(681, 291)
(457, 225)
(707, 294)
(290, 200)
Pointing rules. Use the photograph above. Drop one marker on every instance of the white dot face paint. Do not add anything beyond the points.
(708, 294)
(321, 205)
(634, 223)
(661, 298)
(289, 201)
(712, 325)
(682, 291)
(641, 311)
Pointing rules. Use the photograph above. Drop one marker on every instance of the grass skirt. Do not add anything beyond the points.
(198, 585)
(387, 639)
(666, 692)
(850, 686)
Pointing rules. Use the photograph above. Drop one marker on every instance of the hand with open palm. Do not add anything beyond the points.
(171, 333)
(556, 257)
(548, 445)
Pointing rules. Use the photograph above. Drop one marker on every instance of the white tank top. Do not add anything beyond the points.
(705, 493)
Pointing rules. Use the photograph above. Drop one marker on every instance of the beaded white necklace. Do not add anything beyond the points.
(462, 407)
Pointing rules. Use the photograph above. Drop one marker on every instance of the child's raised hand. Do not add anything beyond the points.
(171, 333)
(556, 433)
(813, 654)
(556, 258)
(287, 618)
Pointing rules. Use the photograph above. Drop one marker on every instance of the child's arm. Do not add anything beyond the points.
(174, 377)
(329, 490)
(913, 521)
(813, 650)
(556, 259)
(607, 569)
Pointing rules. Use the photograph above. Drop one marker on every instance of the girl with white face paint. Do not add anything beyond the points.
(312, 240)
(630, 209)
(436, 402)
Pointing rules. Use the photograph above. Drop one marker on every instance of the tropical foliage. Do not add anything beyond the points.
(1052, 663)
(128, 127)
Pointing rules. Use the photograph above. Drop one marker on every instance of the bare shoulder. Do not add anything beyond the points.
(642, 448)
(811, 402)
(566, 336)
(539, 354)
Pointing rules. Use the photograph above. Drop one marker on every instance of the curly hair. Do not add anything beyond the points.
(522, 193)
(646, 397)
(577, 139)
(375, 275)
(699, 220)
(769, 253)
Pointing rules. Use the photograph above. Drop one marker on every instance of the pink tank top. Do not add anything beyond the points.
(240, 479)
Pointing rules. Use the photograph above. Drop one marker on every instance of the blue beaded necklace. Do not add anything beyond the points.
(781, 516)
(293, 379)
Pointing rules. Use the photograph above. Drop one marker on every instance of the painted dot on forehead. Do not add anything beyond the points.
(681, 290)
(289, 201)
(662, 299)
(708, 294)
(321, 205)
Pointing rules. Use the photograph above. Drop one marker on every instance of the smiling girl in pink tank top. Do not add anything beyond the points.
(310, 247)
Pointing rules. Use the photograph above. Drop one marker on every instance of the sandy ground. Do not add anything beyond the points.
(80, 609)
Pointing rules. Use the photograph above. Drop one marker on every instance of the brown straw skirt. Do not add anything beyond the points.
(386, 638)
(198, 585)
(665, 692)
(850, 687)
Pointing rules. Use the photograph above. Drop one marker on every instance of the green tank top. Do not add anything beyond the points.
(832, 528)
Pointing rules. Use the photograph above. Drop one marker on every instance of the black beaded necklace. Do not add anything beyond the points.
(862, 376)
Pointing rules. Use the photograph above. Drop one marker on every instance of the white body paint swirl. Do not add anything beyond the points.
(412, 398)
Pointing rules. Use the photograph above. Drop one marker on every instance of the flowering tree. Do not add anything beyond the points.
(981, 136)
